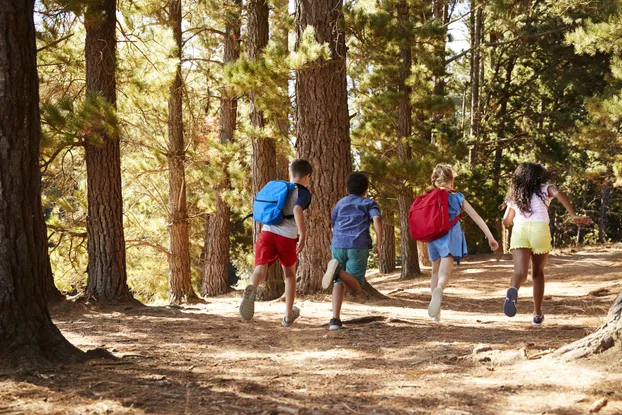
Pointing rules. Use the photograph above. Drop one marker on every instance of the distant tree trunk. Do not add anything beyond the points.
(387, 264)
(179, 279)
(322, 131)
(606, 337)
(27, 335)
(263, 159)
(477, 20)
(410, 256)
(216, 265)
(50, 291)
(424, 258)
(507, 235)
(107, 278)
(604, 204)
(440, 13)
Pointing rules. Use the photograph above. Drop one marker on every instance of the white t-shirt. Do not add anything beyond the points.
(539, 208)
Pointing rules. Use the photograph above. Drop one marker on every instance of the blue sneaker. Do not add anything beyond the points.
(537, 320)
(509, 306)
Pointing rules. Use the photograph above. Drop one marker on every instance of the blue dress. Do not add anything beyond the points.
(454, 243)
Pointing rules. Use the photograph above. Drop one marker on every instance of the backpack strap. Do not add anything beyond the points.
(456, 219)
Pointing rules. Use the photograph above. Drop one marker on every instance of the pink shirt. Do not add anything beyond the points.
(539, 208)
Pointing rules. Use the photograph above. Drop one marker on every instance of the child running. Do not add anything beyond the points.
(452, 246)
(351, 242)
(527, 207)
(283, 242)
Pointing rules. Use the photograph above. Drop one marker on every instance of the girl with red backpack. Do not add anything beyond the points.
(450, 247)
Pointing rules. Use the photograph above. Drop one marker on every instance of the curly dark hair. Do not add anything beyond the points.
(527, 181)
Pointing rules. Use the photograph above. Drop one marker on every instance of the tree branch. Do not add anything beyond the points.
(136, 242)
(56, 42)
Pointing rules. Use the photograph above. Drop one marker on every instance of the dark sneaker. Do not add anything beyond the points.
(435, 303)
(289, 320)
(247, 306)
(537, 320)
(332, 273)
(509, 306)
(335, 324)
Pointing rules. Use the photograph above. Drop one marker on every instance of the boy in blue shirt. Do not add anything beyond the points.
(351, 242)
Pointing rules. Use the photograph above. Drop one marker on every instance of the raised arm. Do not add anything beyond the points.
(378, 229)
(494, 245)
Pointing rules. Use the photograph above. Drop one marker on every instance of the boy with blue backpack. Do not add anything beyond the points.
(279, 206)
(352, 243)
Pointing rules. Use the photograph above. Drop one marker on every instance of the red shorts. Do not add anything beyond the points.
(270, 247)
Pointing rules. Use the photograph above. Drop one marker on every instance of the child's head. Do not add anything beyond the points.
(358, 183)
(443, 176)
(527, 180)
(300, 172)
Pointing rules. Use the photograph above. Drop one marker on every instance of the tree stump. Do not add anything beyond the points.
(603, 339)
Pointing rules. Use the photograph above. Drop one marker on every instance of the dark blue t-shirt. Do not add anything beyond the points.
(351, 218)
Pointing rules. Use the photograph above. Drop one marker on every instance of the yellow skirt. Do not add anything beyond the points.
(532, 235)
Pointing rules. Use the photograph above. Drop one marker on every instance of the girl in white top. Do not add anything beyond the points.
(527, 208)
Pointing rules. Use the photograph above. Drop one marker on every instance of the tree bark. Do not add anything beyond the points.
(604, 204)
(263, 160)
(387, 264)
(606, 337)
(410, 256)
(216, 265)
(424, 258)
(27, 335)
(322, 131)
(179, 277)
(107, 278)
(476, 115)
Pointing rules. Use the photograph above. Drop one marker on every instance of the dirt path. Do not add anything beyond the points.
(204, 360)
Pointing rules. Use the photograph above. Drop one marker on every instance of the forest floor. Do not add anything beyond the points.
(205, 360)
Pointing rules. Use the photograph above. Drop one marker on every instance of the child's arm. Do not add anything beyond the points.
(553, 191)
(508, 217)
(494, 245)
(299, 217)
(378, 229)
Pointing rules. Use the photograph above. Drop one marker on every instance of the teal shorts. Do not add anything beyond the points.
(352, 261)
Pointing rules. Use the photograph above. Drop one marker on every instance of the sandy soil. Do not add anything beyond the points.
(205, 360)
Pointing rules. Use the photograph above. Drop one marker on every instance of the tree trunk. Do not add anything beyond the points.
(263, 160)
(50, 291)
(216, 265)
(107, 278)
(387, 264)
(179, 279)
(476, 115)
(410, 256)
(507, 236)
(27, 335)
(607, 336)
(604, 204)
(422, 250)
(322, 131)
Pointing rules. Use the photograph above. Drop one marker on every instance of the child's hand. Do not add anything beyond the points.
(379, 252)
(582, 220)
(494, 245)
(301, 243)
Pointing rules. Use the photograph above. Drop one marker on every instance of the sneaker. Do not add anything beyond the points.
(292, 317)
(332, 273)
(435, 303)
(437, 318)
(509, 306)
(334, 324)
(247, 306)
(537, 320)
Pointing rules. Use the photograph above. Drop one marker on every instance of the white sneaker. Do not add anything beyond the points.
(437, 318)
(332, 272)
(435, 303)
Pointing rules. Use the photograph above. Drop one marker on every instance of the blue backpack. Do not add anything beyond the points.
(270, 201)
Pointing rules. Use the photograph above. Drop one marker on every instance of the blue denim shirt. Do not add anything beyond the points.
(351, 218)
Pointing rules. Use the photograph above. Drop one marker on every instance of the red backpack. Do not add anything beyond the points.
(428, 216)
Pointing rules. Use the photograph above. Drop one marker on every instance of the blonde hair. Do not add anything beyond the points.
(442, 175)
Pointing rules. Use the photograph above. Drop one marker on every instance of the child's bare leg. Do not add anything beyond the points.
(538, 263)
(259, 274)
(434, 281)
(290, 288)
(445, 269)
(521, 259)
(338, 293)
(349, 281)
